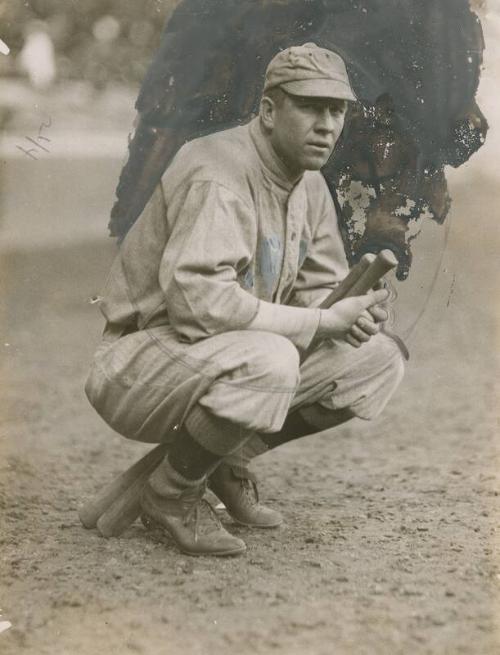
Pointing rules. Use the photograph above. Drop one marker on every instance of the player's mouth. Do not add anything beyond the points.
(319, 146)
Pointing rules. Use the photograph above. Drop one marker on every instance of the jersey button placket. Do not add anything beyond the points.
(292, 251)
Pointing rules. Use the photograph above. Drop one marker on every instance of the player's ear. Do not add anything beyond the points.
(267, 112)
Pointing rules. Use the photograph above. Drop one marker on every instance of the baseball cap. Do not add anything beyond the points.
(308, 70)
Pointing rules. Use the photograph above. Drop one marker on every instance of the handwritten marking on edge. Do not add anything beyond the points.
(4, 48)
(36, 141)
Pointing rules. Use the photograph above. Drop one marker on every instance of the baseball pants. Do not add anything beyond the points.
(145, 383)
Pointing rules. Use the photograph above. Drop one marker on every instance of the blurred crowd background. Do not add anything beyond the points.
(70, 72)
(81, 61)
(98, 41)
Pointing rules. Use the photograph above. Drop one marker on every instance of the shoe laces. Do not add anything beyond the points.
(199, 512)
(248, 483)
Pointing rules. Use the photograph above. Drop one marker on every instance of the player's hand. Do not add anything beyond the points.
(379, 313)
(349, 314)
(367, 325)
(363, 330)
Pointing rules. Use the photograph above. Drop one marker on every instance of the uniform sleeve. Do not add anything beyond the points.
(213, 237)
(325, 263)
(211, 240)
(299, 324)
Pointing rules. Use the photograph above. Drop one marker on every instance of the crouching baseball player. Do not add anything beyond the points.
(213, 299)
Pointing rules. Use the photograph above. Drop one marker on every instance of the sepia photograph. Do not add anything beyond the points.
(250, 326)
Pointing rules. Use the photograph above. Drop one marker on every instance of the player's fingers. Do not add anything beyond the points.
(352, 341)
(378, 313)
(367, 326)
(358, 334)
(382, 284)
(374, 298)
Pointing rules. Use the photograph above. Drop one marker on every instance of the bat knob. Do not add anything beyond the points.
(388, 257)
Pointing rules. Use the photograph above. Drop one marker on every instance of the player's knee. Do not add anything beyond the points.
(395, 364)
(387, 368)
(276, 363)
(398, 369)
(387, 358)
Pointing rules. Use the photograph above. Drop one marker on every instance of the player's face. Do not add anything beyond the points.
(305, 131)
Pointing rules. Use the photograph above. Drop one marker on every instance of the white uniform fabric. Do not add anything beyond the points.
(144, 384)
(226, 233)
(226, 238)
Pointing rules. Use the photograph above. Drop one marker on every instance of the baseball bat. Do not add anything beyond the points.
(126, 508)
(369, 270)
(354, 274)
(91, 511)
(384, 262)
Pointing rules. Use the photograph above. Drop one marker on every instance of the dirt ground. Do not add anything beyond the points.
(390, 543)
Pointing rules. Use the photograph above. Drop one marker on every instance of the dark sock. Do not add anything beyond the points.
(295, 426)
(187, 457)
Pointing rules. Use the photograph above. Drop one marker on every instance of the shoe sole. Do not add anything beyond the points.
(151, 524)
(258, 526)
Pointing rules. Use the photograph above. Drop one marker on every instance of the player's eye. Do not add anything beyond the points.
(337, 108)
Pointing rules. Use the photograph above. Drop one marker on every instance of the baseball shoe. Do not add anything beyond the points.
(236, 487)
(190, 520)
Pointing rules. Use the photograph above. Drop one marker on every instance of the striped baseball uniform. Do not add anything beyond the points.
(227, 244)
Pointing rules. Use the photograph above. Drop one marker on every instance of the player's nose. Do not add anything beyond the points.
(325, 121)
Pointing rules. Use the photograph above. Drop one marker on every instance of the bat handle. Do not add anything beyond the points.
(343, 288)
(384, 262)
(362, 278)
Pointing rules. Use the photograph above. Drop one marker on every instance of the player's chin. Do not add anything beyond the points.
(315, 162)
